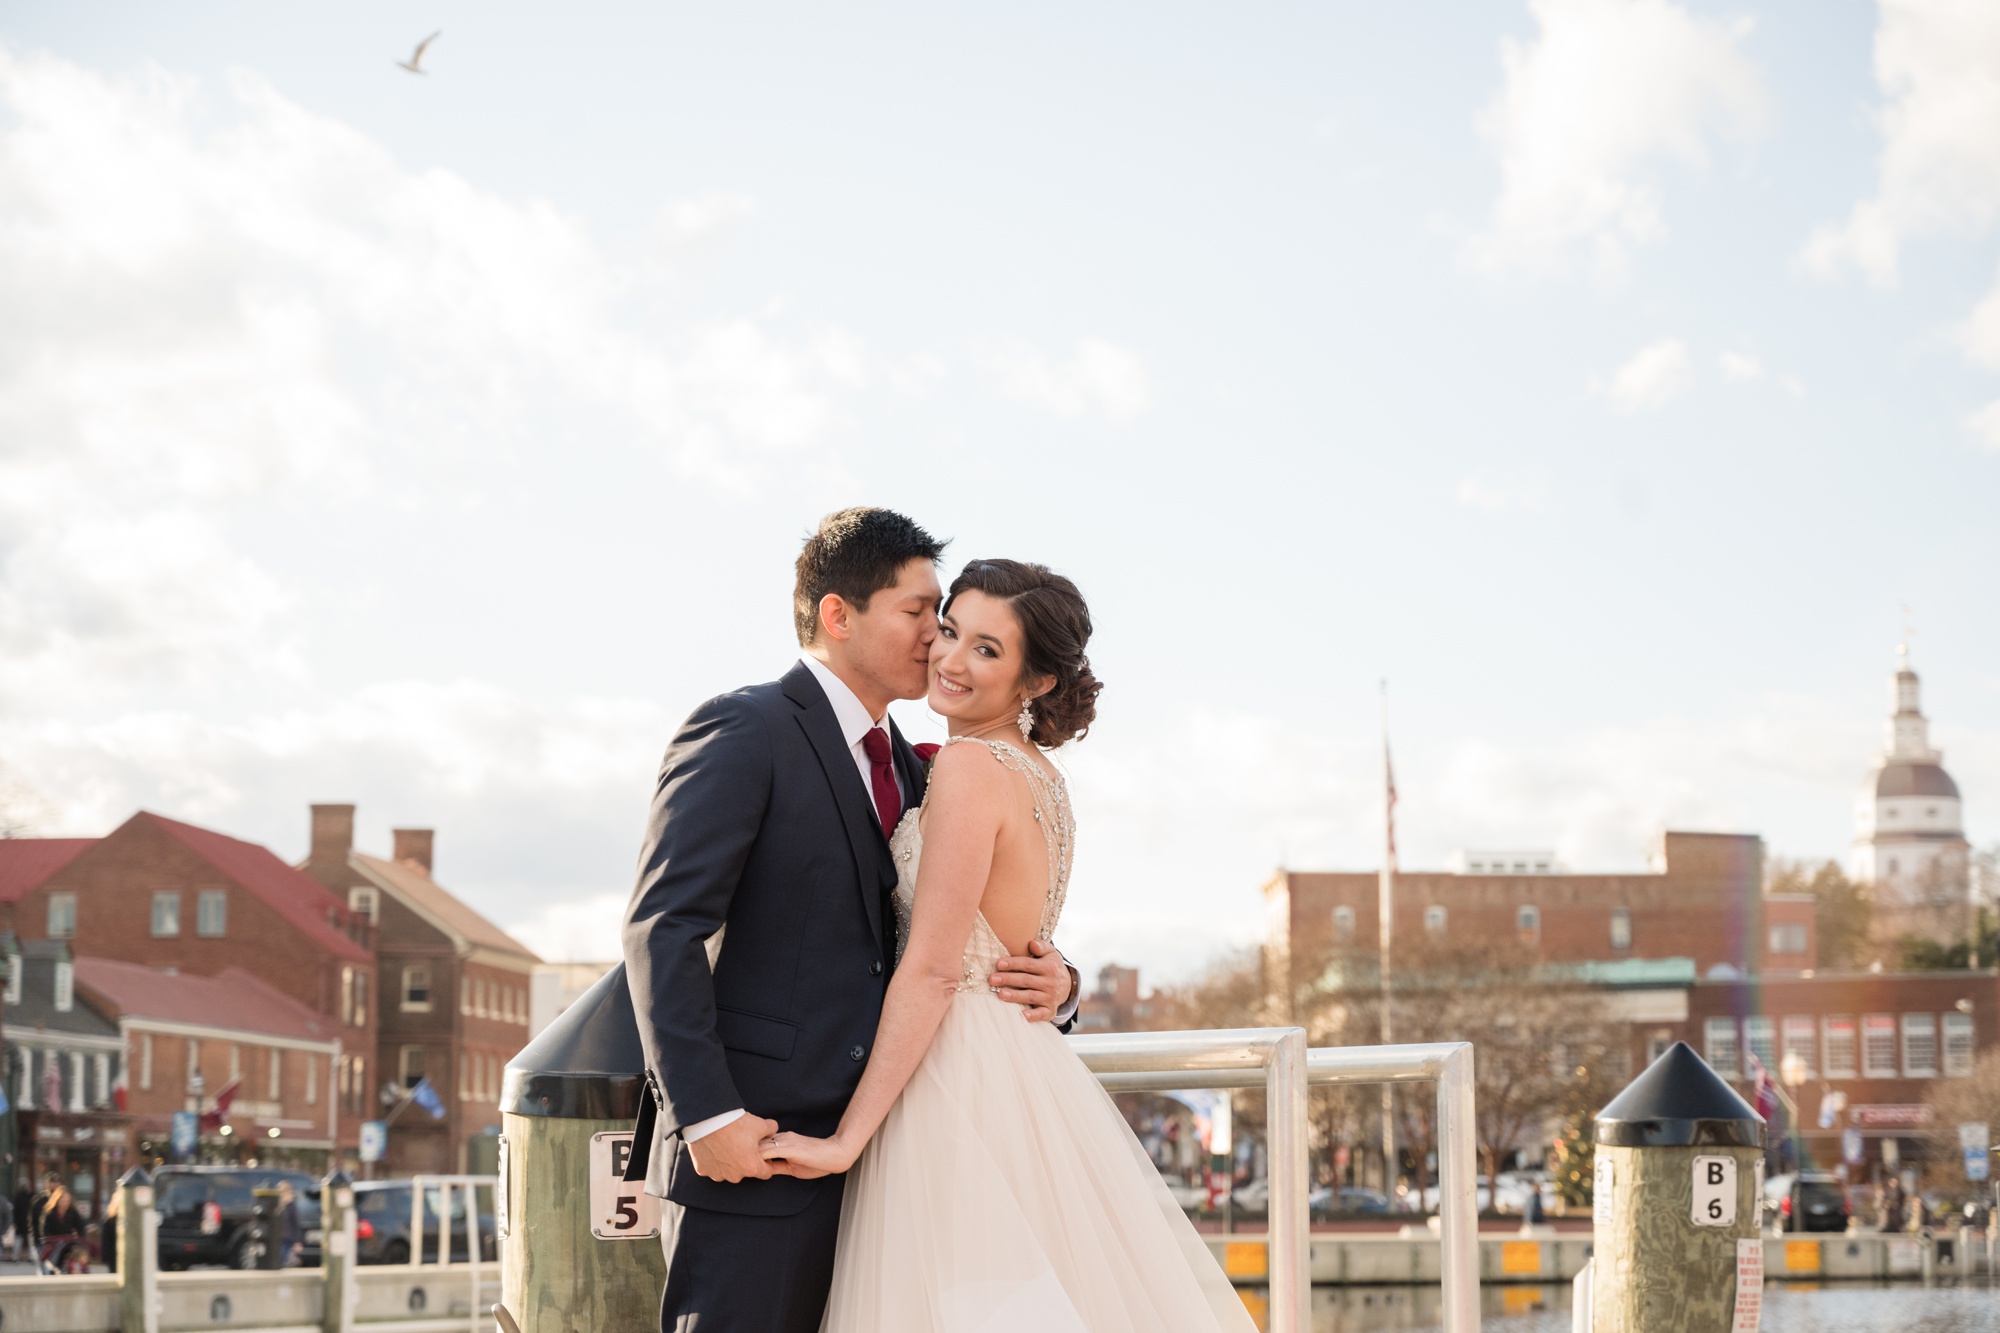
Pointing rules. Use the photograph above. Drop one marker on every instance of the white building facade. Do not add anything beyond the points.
(1910, 826)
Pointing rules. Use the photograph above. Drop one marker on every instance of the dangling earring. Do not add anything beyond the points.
(1026, 721)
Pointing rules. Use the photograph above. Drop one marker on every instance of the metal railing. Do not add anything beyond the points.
(432, 1196)
(1278, 1060)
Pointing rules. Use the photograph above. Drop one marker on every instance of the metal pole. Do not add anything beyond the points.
(1458, 1194)
(1290, 1239)
(1385, 911)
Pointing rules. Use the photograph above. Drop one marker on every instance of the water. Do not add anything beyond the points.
(1789, 1307)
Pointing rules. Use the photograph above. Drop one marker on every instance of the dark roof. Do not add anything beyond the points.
(292, 894)
(37, 1008)
(26, 862)
(1914, 780)
(233, 1000)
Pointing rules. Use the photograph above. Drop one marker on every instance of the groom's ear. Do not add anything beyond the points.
(836, 617)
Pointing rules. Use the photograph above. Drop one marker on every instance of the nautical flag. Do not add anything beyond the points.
(426, 1096)
(1389, 812)
(224, 1099)
(1767, 1091)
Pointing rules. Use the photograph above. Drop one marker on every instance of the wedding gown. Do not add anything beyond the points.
(1004, 1192)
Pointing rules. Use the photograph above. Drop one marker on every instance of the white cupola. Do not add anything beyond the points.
(1910, 828)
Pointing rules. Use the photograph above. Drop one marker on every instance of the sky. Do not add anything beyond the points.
(1618, 380)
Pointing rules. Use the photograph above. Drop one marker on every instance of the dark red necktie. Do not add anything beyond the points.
(882, 777)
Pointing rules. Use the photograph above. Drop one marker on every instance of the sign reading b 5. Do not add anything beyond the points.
(619, 1209)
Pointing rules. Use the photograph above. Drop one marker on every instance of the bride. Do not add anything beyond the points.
(994, 1184)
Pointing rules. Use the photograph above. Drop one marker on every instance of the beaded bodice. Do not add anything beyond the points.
(983, 949)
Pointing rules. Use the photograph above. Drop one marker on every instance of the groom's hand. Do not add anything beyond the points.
(732, 1153)
(1040, 983)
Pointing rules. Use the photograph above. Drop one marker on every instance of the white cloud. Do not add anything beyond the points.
(1479, 492)
(1937, 64)
(1607, 89)
(1740, 367)
(1985, 424)
(214, 299)
(1101, 379)
(1654, 377)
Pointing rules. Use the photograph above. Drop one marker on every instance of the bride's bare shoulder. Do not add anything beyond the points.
(966, 765)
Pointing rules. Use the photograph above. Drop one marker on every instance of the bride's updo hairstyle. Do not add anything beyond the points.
(1055, 629)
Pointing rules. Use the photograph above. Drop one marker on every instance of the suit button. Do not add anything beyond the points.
(855, 1053)
(875, 968)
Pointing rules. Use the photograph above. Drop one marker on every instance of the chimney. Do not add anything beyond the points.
(332, 834)
(414, 844)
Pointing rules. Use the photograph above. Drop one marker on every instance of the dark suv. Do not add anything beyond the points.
(382, 1223)
(206, 1213)
(1808, 1201)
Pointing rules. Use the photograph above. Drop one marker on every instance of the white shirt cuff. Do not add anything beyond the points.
(701, 1129)
(1075, 1000)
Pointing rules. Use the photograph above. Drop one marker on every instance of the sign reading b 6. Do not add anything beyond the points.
(619, 1209)
(1714, 1191)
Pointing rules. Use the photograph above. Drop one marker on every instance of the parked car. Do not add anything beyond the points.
(1253, 1196)
(1332, 1201)
(207, 1213)
(382, 1210)
(1427, 1201)
(1515, 1188)
(1806, 1201)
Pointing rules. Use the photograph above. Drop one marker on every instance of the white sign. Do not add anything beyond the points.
(1714, 1191)
(1602, 1177)
(619, 1209)
(1972, 1143)
(1749, 1282)
(374, 1140)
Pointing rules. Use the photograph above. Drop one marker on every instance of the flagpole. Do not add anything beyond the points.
(1385, 916)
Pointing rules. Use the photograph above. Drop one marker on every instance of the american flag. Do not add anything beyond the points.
(1389, 814)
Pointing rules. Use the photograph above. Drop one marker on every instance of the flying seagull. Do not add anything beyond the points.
(415, 63)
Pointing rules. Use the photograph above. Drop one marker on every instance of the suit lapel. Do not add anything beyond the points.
(864, 833)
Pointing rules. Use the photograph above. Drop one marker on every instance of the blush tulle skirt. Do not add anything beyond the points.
(1004, 1193)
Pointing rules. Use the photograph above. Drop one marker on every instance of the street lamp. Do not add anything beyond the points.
(1792, 1070)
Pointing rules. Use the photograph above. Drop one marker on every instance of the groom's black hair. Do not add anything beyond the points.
(855, 553)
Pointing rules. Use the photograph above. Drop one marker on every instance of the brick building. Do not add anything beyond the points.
(64, 1064)
(189, 1038)
(1116, 1004)
(1703, 901)
(1867, 1048)
(169, 895)
(454, 992)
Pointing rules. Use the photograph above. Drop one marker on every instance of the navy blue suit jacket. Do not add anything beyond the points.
(761, 824)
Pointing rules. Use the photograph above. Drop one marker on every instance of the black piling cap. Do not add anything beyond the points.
(135, 1178)
(587, 1065)
(1679, 1102)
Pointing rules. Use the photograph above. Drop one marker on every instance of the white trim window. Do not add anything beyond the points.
(145, 1062)
(1801, 1035)
(211, 914)
(1719, 1048)
(1343, 925)
(1920, 1046)
(1621, 927)
(274, 1075)
(1957, 1045)
(14, 978)
(1760, 1038)
(417, 988)
(1837, 1031)
(102, 1080)
(1878, 1046)
(166, 914)
(65, 996)
(62, 916)
(366, 900)
(1528, 923)
(1434, 919)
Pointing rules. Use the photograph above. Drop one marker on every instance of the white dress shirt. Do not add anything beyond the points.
(854, 725)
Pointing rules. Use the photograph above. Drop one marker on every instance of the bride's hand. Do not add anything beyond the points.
(805, 1157)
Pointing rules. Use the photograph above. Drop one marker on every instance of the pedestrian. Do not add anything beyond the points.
(107, 1233)
(7, 1234)
(56, 1217)
(291, 1234)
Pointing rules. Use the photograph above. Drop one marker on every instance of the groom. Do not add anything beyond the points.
(760, 934)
